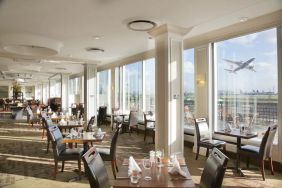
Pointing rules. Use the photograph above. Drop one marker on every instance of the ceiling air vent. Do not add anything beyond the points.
(95, 50)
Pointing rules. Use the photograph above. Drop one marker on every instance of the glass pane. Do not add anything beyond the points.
(247, 81)
(149, 85)
(103, 89)
(133, 87)
(189, 87)
(117, 87)
(74, 90)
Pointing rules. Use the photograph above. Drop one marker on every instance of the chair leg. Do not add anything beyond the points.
(145, 135)
(207, 152)
(137, 130)
(224, 149)
(116, 165)
(79, 168)
(43, 132)
(63, 166)
(248, 162)
(48, 143)
(113, 168)
(153, 137)
(262, 169)
(271, 165)
(197, 154)
(56, 169)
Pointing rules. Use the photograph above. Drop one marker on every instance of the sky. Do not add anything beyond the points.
(261, 45)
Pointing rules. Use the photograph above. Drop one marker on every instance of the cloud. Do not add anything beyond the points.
(245, 40)
(188, 67)
(270, 53)
(272, 39)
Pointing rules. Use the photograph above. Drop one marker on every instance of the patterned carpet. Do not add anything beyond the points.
(24, 162)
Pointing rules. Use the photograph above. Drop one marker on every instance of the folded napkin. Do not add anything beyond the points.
(133, 166)
(62, 122)
(54, 115)
(175, 170)
(73, 132)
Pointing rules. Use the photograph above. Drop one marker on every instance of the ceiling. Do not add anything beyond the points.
(71, 26)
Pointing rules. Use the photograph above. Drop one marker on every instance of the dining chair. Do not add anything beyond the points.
(61, 153)
(114, 119)
(149, 125)
(263, 152)
(90, 124)
(47, 123)
(109, 154)
(214, 170)
(133, 122)
(203, 137)
(31, 119)
(95, 169)
(102, 115)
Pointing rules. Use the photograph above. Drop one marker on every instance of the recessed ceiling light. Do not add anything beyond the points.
(141, 25)
(61, 68)
(243, 19)
(95, 50)
(96, 37)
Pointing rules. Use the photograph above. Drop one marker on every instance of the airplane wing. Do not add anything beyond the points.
(231, 71)
(238, 63)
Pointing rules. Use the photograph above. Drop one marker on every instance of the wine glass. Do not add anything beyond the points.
(147, 164)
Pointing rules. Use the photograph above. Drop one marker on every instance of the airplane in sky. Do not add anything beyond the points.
(241, 65)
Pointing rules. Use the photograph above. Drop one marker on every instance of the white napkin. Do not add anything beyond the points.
(54, 115)
(73, 132)
(175, 170)
(133, 166)
(62, 122)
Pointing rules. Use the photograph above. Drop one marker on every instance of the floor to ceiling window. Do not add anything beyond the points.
(149, 85)
(55, 86)
(247, 80)
(188, 87)
(104, 89)
(75, 90)
(118, 87)
(133, 87)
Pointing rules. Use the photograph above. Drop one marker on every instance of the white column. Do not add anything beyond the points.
(202, 78)
(169, 97)
(65, 92)
(90, 109)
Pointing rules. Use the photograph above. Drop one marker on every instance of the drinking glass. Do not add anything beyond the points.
(134, 178)
(147, 166)
(160, 158)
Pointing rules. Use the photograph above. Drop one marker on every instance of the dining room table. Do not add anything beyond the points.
(117, 114)
(160, 176)
(83, 138)
(68, 125)
(239, 135)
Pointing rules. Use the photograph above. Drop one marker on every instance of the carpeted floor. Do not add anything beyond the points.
(24, 162)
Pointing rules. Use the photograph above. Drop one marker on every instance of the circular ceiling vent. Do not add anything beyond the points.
(95, 50)
(141, 25)
(30, 50)
(28, 44)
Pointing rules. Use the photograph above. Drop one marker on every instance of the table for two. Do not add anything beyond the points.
(160, 176)
(239, 135)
